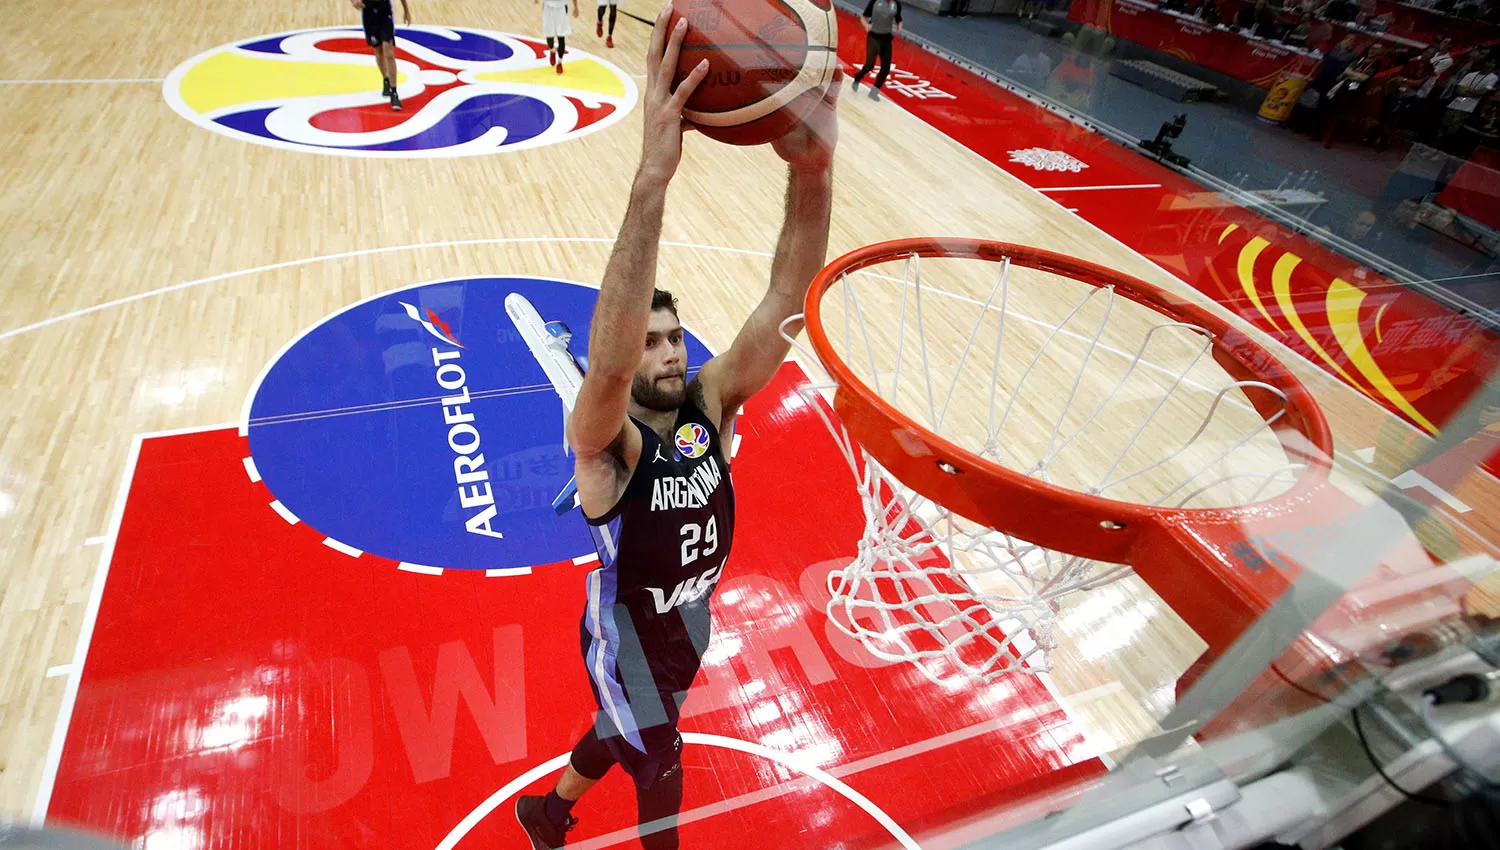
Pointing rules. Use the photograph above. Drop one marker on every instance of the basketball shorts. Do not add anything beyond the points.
(380, 22)
(640, 694)
(603, 3)
(555, 20)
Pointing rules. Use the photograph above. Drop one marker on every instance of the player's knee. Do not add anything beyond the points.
(591, 757)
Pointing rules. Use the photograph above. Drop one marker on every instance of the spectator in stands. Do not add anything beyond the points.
(1343, 11)
(1401, 106)
(1441, 62)
(1348, 91)
(1073, 80)
(1301, 31)
(1032, 67)
(1362, 230)
(1266, 25)
(1209, 13)
(1335, 63)
(1244, 18)
(1477, 83)
(1320, 34)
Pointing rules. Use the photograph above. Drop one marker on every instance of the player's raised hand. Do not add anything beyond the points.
(661, 149)
(810, 146)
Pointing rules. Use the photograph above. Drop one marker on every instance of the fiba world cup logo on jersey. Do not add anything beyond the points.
(692, 440)
(464, 92)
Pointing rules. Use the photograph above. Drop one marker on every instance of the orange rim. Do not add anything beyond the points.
(1303, 431)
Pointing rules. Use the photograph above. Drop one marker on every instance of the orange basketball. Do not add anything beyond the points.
(768, 63)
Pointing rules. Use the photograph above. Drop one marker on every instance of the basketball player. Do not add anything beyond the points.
(609, 40)
(652, 471)
(882, 21)
(380, 33)
(556, 29)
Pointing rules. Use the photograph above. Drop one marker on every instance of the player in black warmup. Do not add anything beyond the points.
(652, 470)
(380, 34)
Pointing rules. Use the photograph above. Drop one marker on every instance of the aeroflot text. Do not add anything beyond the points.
(463, 438)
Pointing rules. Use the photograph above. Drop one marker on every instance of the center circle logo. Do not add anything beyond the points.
(418, 425)
(463, 92)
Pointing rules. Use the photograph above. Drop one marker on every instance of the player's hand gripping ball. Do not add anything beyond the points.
(770, 63)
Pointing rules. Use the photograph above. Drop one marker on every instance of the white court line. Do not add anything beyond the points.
(586, 559)
(508, 571)
(791, 761)
(252, 470)
(81, 649)
(338, 546)
(59, 670)
(96, 541)
(284, 511)
(1091, 188)
(344, 255)
(80, 81)
(90, 617)
(420, 568)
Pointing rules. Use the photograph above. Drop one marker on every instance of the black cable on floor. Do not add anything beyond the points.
(1370, 754)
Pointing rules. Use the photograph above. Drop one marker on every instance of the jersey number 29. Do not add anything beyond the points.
(692, 533)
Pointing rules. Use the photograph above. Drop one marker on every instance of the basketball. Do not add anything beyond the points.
(768, 63)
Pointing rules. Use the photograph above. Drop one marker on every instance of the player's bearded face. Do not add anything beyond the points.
(661, 381)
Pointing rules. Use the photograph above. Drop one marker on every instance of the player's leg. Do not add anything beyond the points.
(599, 22)
(610, 39)
(658, 798)
(551, 50)
(872, 50)
(385, 55)
(389, 49)
(371, 23)
(548, 819)
(885, 64)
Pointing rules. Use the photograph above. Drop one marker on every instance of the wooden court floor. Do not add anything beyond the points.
(152, 268)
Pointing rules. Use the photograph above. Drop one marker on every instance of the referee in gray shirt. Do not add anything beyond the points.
(882, 20)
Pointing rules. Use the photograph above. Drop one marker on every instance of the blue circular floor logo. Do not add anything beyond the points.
(419, 426)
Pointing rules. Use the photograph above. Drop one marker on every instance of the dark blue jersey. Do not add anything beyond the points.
(661, 550)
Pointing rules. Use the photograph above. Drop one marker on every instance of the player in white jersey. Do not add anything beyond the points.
(556, 29)
(609, 40)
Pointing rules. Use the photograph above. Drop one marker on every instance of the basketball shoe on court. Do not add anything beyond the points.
(598, 29)
(544, 834)
(609, 42)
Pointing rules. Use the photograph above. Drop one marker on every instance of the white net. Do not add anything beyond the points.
(1063, 381)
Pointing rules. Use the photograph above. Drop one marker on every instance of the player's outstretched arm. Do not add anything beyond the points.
(801, 251)
(623, 312)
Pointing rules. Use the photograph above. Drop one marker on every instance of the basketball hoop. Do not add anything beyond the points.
(1006, 460)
